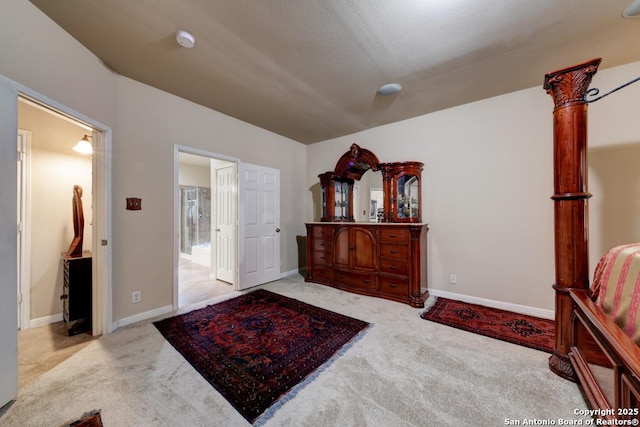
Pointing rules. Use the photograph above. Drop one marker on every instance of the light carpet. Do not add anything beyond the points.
(403, 372)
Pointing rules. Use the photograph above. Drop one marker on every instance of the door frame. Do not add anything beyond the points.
(177, 149)
(24, 219)
(101, 206)
(102, 286)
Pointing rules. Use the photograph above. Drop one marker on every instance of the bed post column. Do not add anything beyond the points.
(568, 87)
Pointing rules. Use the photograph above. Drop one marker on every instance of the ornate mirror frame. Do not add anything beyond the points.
(351, 167)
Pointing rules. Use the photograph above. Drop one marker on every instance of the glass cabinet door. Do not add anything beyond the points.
(336, 197)
(342, 200)
(402, 191)
(407, 206)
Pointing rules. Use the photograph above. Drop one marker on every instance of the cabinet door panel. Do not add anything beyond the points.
(341, 248)
(364, 249)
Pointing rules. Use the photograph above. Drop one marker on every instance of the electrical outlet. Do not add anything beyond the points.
(136, 297)
(453, 279)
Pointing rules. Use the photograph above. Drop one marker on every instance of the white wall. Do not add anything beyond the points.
(194, 175)
(150, 123)
(8, 255)
(487, 184)
(146, 123)
(614, 162)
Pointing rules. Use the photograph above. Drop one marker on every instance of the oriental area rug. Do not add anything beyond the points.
(260, 348)
(90, 419)
(528, 331)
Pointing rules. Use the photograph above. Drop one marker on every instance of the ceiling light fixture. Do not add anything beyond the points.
(84, 145)
(185, 39)
(633, 10)
(389, 89)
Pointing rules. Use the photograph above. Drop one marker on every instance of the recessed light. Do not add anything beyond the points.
(389, 89)
(185, 39)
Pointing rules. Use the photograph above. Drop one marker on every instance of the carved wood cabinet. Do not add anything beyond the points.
(336, 197)
(378, 259)
(388, 258)
(402, 191)
(401, 183)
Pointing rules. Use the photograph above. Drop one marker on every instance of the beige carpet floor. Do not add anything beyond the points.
(405, 371)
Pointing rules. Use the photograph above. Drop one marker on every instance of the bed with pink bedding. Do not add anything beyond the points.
(616, 287)
(605, 351)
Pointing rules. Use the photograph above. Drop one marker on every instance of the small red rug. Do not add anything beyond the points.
(260, 347)
(528, 331)
(90, 419)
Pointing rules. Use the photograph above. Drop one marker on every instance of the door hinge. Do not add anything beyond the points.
(19, 297)
(20, 227)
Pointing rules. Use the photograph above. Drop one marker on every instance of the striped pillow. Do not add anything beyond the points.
(616, 287)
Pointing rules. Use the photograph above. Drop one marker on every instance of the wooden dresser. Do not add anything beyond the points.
(387, 260)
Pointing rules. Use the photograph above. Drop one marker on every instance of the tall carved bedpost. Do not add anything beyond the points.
(568, 88)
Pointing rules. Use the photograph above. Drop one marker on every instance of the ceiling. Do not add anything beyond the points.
(309, 70)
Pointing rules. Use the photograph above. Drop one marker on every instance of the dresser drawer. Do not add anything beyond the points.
(392, 235)
(322, 232)
(363, 281)
(322, 245)
(394, 266)
(323, 273)
(396, 287)
(322, 258)
(394, 251)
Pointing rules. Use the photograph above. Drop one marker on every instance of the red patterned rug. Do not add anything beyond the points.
(259, 347)
(515, 328)
(90, 419)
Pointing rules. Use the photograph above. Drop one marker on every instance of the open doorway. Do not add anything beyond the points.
(50, 172)
(205, 249)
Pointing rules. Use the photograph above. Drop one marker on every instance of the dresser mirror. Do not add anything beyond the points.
(376, 204)
(386, 192)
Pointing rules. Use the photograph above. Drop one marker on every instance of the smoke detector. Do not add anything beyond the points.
(185, 39)
(633, 10)
(389, 89)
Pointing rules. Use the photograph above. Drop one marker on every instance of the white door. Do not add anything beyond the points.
(225, 226)
(259, 225)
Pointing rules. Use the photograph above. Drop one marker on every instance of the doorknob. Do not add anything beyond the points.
(277, 230)
(217, 229)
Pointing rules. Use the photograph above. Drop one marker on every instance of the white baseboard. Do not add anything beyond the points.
(41, 321)
(289, 273)
(141, 316)
(516, 308)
